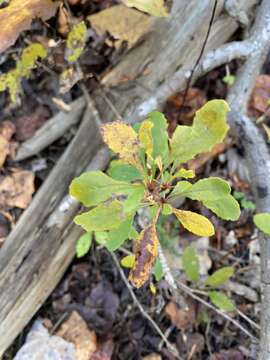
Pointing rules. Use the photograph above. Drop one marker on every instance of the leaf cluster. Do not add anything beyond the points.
(149, 173)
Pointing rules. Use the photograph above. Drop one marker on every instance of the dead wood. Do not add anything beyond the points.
(39, 249)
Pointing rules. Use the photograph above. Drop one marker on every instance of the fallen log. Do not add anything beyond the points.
(41, 246)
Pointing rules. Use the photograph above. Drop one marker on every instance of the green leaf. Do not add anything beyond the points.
(229, 79)
(123, 172)
(214, 193)
(226, 208)
(221, 301)
(117, 237)
(128, 261)
(103, 217)
(191, 265)
(220, 276)
(133, 234)
(167, 209)
(76, 41)
(184, 173)
(83, 244)
(101, 237)
(262, 221)
(152, 7)
(133, 202)
(160, 135)
(157, 270)
(243, 200)
(209, 128)
(93, 187)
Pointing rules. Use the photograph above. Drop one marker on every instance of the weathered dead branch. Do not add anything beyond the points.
(39, 249)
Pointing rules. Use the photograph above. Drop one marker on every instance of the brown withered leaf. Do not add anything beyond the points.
(123, 23)
(153, 356)
(7, 129)
(104, 351)
(75, 330)
(16, 189)
(145, 254)
(259, 100)
(27, 125)
(18, 16)
(177, 111)
(181, 318)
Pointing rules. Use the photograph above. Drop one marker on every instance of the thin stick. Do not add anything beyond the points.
(201, 53)
(143, 312)
(188, 291)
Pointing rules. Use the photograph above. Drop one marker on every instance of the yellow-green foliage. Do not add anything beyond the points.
(11, 80)
(76, 41)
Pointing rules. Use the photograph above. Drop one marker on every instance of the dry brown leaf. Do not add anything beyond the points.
(18, 16)
(27, 125)
(145, 256)
(7, 129)
(75, 330)
(63, 21)
(104, 351)
(176, 113)
(259, 100)
(16, 189)
(123, 23)
(181, 318)
(153, 356)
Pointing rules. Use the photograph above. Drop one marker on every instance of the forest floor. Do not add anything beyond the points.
(92, 286)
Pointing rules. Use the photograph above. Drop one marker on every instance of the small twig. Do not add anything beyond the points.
(188, 291)
(143, 312)
(200, 55)
(192, 293)
(250, 321)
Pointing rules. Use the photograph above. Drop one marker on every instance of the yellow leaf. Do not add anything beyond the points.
(152, 7)
(123, 140)
(184, 173)
(145, 136)
(145, 256)
(153, 289)
(195, 223)
(128, 261)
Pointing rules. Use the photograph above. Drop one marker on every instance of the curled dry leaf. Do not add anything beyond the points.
(7, 129)
(75, 330)
(16, 189)
(145, 255)
(18, 16)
